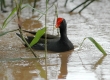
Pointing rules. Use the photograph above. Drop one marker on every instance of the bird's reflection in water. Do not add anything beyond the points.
(64, 60)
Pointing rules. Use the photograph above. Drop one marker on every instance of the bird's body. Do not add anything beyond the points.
(56, 44)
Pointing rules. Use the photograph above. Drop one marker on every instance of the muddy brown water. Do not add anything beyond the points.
(88, 63)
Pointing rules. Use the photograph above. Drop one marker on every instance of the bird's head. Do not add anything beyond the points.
(58, 22)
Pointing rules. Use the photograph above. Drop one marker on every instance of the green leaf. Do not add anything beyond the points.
(5, 22)
(15, 10)
(10, 15)
(38, 35)
(96, 44)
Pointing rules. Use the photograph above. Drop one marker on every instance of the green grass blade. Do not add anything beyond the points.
(11, 14)
(97, 45)
(5, 22)
(37, 36)
(3, 33)
(35, 9)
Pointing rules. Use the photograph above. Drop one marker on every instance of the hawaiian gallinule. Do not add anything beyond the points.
(58, 44)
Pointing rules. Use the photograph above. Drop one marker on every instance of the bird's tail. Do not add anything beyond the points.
(31, 32)
(28, 39)
(19, 35)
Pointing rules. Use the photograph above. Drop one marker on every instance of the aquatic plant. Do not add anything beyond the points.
(95, 43)
(85, 3)
(2, 5)
(16, 10)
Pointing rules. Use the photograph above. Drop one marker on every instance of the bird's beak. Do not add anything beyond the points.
(57, 25)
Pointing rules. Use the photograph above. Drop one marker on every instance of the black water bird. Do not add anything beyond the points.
(56, 44)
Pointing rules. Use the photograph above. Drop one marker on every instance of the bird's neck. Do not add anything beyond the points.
(63, 34)
(63, 30)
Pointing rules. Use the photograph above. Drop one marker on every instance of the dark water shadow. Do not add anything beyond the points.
(99, 62)
(64, 60)
(64, 56)
(30, 24)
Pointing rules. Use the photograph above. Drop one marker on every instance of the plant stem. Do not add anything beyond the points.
(79, 5)
(34, 5)
(65, 3)
(56, 14)
(46, 39)
(81, 43)
(86, 5)
(20, 28)
(45, 11)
